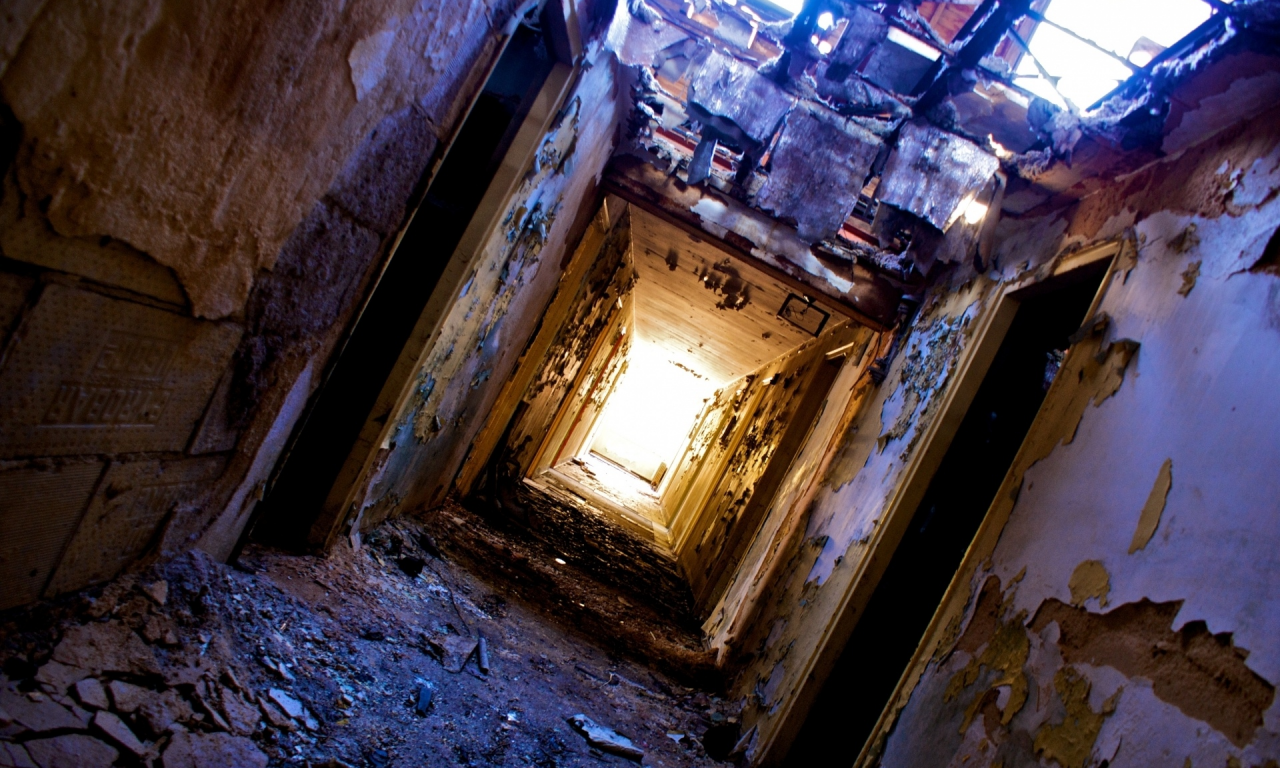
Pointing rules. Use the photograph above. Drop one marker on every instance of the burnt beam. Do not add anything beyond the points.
(979, 37)
(861, 293)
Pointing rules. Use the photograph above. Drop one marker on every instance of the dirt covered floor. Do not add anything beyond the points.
(368, 657)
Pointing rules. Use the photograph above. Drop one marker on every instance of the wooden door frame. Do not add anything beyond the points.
(990, 331)
(1120, 252)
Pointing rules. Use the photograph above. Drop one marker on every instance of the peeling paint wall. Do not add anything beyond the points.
(1121, 600)
(489, 323)
(194, 201)
(803, 589)
(591, 337)
(720, 508)
(1180, 374)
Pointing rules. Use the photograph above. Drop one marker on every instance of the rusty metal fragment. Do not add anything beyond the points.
(817, 170)
(930, 173)
(728, 94)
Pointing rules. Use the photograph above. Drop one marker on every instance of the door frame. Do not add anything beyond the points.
(1122, 255)
(989, 333)
(362, 462)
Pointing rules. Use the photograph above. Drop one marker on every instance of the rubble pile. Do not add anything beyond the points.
(387, 655)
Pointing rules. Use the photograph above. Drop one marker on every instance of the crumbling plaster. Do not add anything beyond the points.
(202, 134)
(101, 153)
(1195, 398)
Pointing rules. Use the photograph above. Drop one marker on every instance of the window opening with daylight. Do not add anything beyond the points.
(1078, 51)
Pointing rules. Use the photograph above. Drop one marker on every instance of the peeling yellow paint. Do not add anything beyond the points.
(1006, 653)
(1189, 278)
(1089, 579)
(1149, 520)
(1070, 743)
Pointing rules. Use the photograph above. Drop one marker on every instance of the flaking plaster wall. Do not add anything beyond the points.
(1196, 392)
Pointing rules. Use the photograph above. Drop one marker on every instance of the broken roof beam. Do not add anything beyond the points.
(735, 100)
(759, 240)
(977, 39)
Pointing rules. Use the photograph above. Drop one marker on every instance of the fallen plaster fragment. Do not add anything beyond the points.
(119, 732)
(1153, 509)
(158, 591)
(1070, 743)
(604, 738)
(368, 61)
(1090, 579)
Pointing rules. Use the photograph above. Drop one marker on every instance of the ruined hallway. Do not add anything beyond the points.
(767, 382)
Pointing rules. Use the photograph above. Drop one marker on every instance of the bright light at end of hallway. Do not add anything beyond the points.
(648, 417)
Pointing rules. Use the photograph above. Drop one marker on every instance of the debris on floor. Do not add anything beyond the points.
(352, 659)
(604, 738)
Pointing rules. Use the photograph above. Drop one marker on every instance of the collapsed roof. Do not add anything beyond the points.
(883, 133)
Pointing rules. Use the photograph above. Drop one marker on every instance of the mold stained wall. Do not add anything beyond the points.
(1196, 392)
(211, 188)
(1130, 592)
(488, 325)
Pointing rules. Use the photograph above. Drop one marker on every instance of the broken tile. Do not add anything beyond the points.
(105, 647)
(91, 693)
(71, 751)
(605, 738)
(212, 750)
(160, 630)
(40, 714)
(158, 591)
(161, 712)
(118, 732)
(292, 707)
(242, 716)
(275, 716)
(15, 756)
(57, 677)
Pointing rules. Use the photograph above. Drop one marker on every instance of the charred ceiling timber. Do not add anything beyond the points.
(977, 39)
(871, 298)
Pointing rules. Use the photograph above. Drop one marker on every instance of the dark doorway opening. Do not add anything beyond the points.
(325, 437)
(944, 524)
